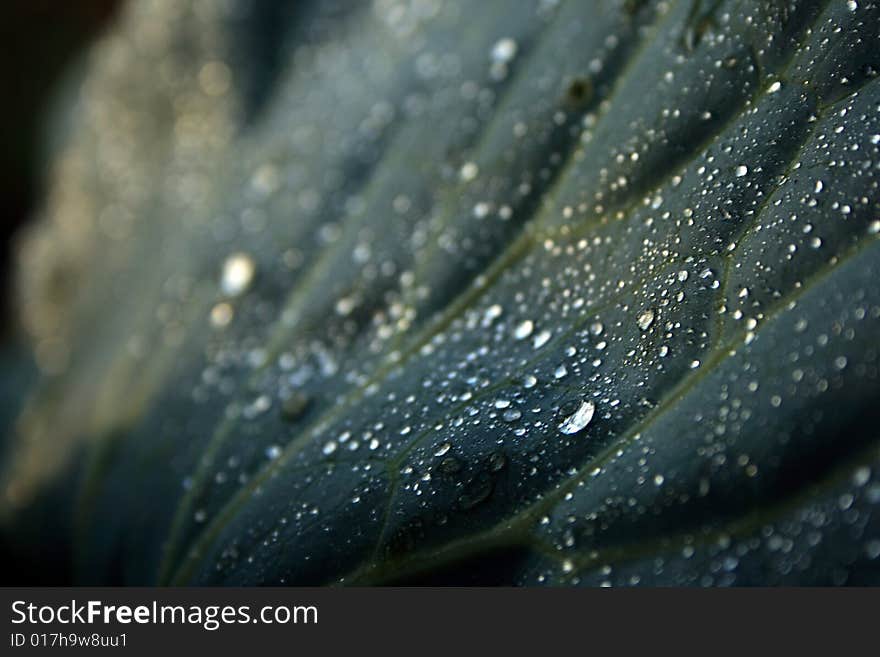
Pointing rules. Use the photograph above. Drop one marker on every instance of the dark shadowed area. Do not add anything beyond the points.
(41, 40)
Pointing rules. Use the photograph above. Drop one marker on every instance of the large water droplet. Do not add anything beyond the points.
(469, 171)
(511, 415)
(579, 419)
(541, 339)
(524, 329)
(238, 273)
(504, 50)
(443, 449)
(646, 319)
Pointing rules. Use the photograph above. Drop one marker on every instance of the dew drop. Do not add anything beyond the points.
(511, 415)
(524, 329)
(492, 313)
(221, 314)
(443, 449)
(646, 319)
(579, 419)
(862, 476)
(469, 171)
(541, 339)
(238, 274)
(503, 51)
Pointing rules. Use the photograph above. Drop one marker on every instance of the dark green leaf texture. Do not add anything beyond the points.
(469, 225)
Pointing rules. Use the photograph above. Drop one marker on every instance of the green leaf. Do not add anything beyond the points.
(494, 293)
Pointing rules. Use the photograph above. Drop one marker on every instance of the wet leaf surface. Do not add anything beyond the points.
(559, 293)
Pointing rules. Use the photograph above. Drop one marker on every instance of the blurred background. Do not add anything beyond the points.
(43, 40)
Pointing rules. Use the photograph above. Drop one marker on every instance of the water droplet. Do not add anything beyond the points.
(503, 51)
(646, 319)
(329, 447)
(221, 314)
(273, 452)
(469, 171)
(238, 274)
(294, 406)
(579, 419)
(541, 339)
(862, 476)
(492, 313)
(345, 305)
(511, 415)
(443, 449)
(524, 329)
(481, 210)
(741, 170)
